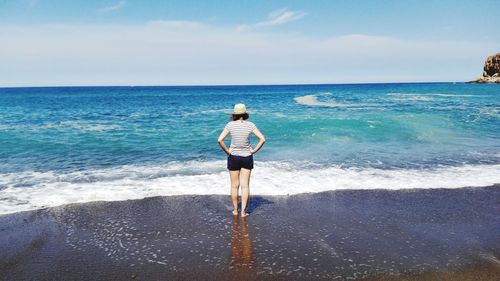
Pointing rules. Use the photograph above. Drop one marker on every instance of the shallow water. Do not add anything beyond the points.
(78, 144)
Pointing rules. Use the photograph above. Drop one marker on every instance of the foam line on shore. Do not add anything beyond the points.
(30, 190)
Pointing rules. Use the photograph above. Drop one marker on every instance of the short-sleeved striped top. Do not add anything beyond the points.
(240, 137)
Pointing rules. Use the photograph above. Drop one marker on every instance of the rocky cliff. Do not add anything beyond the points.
(491, 70)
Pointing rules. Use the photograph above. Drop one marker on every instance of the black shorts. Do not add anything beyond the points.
(235, 162)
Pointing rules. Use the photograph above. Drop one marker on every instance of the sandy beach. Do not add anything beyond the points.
(432, 234)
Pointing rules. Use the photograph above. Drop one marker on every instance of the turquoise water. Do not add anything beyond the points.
(85, 140)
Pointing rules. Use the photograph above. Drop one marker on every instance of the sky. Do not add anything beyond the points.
(221, 42)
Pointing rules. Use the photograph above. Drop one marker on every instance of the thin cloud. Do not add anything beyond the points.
(182, 24)
(185, 53)
(278, 17)
(115, 7)
(32, 3)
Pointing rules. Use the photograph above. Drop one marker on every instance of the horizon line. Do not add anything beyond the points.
(231, 85)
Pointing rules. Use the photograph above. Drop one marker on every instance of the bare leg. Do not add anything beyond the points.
(245, 190)
(235, 184)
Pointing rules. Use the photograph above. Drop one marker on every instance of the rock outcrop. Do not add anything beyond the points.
(491, 70)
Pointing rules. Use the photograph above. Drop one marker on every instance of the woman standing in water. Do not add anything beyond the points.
(240, 154)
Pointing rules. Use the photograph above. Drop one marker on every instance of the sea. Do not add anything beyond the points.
(61, 145)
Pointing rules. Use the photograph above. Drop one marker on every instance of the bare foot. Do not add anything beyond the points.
(244, 214)
(235, 212)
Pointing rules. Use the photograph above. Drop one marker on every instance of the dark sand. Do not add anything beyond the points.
(432, 234)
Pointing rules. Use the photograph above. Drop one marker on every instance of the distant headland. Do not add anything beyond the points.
(491, 70)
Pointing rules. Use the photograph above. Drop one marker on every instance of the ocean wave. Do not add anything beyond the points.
(30, 190)
(436, 95)
(210, 111)
(490, 111)
(412, 98)
(72, 125)
(80, 126)
(422, 97)
(279, 115)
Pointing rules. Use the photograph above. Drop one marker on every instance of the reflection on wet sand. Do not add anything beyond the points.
(242, 255)
(435, 234)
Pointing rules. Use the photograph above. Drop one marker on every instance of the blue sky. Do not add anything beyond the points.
(133, 42)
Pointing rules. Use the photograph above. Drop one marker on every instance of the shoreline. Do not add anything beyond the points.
(275, 196)
(421, 234)
(113, 185)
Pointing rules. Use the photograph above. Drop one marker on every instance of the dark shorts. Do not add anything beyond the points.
(235, 162)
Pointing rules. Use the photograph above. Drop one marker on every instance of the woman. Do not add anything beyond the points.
(240, 154)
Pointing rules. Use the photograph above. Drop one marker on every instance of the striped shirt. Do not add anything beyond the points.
(240, 137)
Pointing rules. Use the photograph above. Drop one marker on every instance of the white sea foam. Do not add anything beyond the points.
(312, 100)
(413, 98)
(33, 190)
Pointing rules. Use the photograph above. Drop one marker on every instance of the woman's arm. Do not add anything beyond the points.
(222, 136)
(262, 140)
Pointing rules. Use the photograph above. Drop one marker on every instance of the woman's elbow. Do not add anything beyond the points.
(263, 139)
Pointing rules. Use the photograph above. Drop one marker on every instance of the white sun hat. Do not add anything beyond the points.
(239, 108)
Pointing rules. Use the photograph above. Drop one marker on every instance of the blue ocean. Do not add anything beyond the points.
(78, 144)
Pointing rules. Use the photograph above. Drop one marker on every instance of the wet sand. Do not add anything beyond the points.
(432, 234)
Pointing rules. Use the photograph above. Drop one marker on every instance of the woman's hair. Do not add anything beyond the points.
(235, 117)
